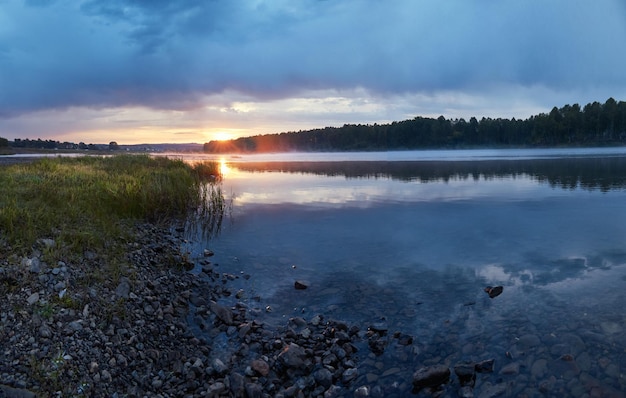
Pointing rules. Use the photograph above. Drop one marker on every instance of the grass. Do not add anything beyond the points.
(90, 202)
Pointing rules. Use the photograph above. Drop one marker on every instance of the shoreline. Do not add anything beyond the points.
(64, 331)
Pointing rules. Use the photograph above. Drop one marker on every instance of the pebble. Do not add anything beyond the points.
(33, 298)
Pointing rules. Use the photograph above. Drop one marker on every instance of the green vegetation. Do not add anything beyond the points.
(90, 203)
(594, 125)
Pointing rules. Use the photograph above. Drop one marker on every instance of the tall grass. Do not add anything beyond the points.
(88, 202)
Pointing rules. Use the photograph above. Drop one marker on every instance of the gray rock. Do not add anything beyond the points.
(123, 289)
(510, 369)
(293, 356)
(431, 376)
(485, 366)
(219, 367)
(76, 325)
(33, 298)
(539, 368)
(466, 374)
(349, 374)
(44, 331)
(529, 341)
(363, 391)
(254, 390)
(223, 313)
(216, 389)
(34, 265)
(323, 377)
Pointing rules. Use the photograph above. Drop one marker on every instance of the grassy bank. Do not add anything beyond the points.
(90, 203)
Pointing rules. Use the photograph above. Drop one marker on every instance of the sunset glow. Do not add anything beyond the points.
(222, 136)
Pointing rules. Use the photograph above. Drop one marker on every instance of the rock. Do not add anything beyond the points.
(293, 356)
(33, 298)
(379, 327)
(216, 389)
(431, 376)
(254, 390)
(349, 374)
(529, 340)
(224, 314)
(76, 326)
(510, 369)
(323, 377)
(539, 368)
(363, 391)
(44, 331)
(208, 253)
(494, 291)
(485, 366)
(219, 367)
(466, 374)
(34, 265)
(47, 243)
(260, 366)
(300, 285)
(123, 288)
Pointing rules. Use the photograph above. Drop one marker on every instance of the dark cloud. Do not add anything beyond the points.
(57, 54)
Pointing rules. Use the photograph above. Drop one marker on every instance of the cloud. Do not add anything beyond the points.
(181, 54)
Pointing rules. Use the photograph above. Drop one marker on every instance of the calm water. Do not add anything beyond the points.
(412, 238)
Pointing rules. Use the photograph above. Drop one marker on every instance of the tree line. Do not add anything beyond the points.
(52, 144)
(570, 125)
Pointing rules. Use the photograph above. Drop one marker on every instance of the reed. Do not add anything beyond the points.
(90, 202)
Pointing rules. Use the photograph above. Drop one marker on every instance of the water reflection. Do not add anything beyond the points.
(567, 173)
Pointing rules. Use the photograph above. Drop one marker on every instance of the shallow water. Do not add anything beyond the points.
(412, 239)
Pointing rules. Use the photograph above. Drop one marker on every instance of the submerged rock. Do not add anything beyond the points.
(431, 376)
(300, 285)
(494, 291)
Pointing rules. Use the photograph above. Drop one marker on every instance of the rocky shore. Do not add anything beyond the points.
(68, 330)
(158, 330)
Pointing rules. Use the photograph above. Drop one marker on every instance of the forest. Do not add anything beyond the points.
(593, 125)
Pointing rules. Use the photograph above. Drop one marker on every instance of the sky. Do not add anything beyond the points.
(179, 71)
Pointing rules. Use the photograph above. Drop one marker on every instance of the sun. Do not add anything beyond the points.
(222, 136)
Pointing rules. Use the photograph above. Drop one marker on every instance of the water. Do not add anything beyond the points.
(412, 239)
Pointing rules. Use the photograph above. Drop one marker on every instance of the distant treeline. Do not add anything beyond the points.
(52, 144)
(595, 124)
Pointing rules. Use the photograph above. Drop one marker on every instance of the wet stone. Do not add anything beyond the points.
(510, 369)
(431, 376)
(485, 366)
(539, 368)
(466, 374)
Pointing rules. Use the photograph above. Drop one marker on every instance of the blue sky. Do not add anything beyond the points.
(139, 71)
